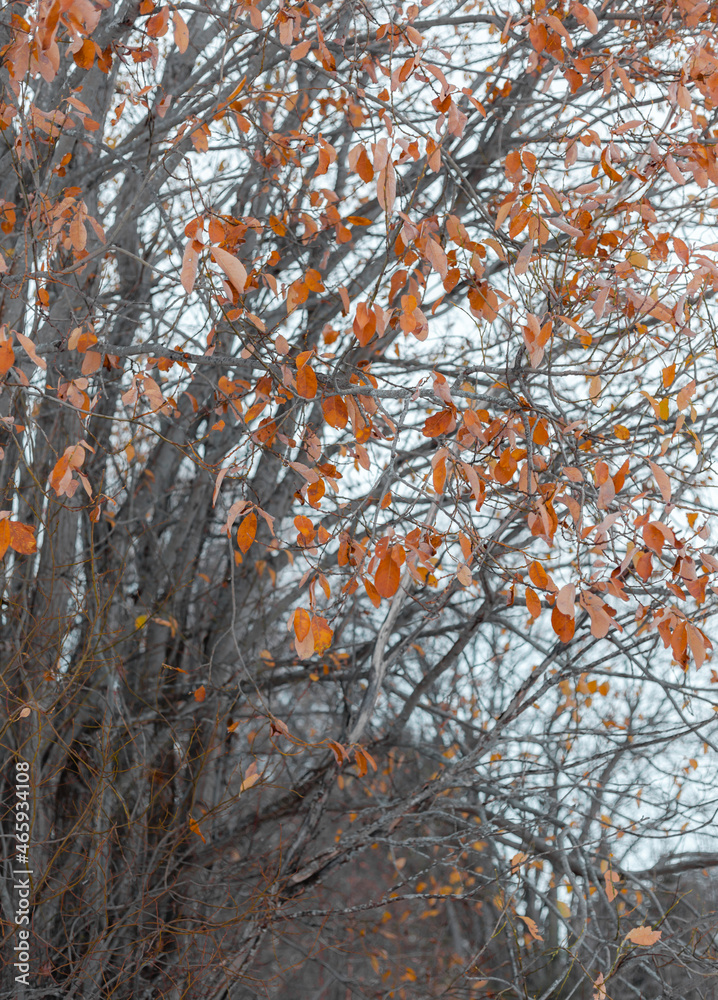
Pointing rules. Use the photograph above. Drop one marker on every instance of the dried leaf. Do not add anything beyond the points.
(439, 423)
(644, 936)
(662, 481)
(233, 268)
(251, 777)
(22, 537)
(181, 31)
(190, 259)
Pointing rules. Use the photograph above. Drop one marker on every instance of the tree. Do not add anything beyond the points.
(358, 417)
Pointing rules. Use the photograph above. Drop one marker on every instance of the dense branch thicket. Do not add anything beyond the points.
(358, 409)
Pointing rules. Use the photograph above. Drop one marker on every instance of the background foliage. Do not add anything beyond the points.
(358, 414)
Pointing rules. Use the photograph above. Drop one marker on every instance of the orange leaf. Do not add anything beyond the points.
(653, 537)
(306, 382)
(158, 23)
(22, 538)
(539, 575)
(322, 634)
(299, 51)
(439, 476)
(85, 57)
(563, 625)
(4, 536)
(7, 357)
(200, 694)
(371, 591)
(304, 639)
(363, 166)
(698, 643)
(335, 411)
(439, 423)
(387, 577)
(533, 603)
(364, 323)
(194, 827)
(302, 623)
(181, 31)
(246, 532)
(338, 750)
(305, 528)
(643, 935)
